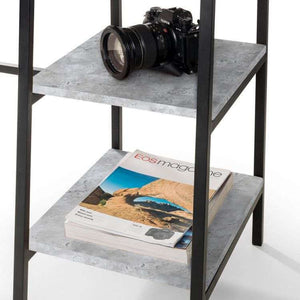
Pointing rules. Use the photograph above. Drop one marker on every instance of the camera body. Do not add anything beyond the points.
(167, 40)
(183, 34)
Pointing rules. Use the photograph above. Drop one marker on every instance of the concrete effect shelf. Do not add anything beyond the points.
(47, 235)
(81, 75)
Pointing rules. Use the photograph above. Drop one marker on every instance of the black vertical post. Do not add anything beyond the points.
(202, 160)
(22, 254)
(260, 120)
(116, 111)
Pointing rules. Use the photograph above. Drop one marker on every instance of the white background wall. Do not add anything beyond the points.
(69, 136)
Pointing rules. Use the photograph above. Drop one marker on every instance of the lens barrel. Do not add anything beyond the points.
(126, 49)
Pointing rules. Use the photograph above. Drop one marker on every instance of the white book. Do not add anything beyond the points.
(146, 197)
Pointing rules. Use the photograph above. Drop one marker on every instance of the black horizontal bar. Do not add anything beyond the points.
(237, 93)
(231, 248)
(9, 69)
(14, 69)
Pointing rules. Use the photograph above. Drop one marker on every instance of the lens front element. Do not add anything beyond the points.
(126, 49)
(115, 52)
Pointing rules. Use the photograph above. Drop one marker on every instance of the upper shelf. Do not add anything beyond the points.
(81, 75)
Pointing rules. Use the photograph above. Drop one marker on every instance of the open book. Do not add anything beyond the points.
(146, 198)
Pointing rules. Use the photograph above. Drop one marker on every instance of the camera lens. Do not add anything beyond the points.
(141, 46)
(115, 52)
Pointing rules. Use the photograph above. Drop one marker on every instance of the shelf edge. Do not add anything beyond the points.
(237, 93)
(229, 252)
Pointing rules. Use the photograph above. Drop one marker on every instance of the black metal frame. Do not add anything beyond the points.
(204, 128)
(260, 119)
(22, 254)
(116, 111)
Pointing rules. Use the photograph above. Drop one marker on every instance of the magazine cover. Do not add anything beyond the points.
(146, 197)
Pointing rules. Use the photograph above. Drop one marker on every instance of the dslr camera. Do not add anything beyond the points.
(167, 40)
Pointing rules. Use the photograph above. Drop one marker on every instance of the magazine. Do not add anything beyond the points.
(146, 197)
(180, 253)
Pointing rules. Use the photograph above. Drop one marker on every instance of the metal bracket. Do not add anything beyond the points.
(13, 69)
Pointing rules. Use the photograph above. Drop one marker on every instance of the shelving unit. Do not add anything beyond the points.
(226, 68)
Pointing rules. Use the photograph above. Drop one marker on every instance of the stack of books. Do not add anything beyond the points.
(145, 206)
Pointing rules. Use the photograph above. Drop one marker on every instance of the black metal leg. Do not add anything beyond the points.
(22, 253)
(260, 120)
(259, 156)
(116, 115)
(116, 111)
(202, 161)
(258, 223)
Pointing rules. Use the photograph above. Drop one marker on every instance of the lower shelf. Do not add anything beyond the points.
(47, 235)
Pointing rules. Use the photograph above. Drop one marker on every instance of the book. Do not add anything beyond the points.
(145, 202)
(177, 254)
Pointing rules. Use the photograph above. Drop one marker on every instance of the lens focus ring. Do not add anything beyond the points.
(148, 44)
